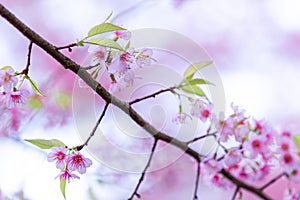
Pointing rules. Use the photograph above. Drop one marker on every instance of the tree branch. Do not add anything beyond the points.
(245, 186)
(95, 128)
(67, 63)
(135, 192)
(197, 181)
(170, 89)
(26, 70)
(272, 181)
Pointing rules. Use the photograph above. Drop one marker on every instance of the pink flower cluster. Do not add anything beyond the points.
(119, 64)
(200, 108)
(248, 149)
(10, 96)
(68, 161)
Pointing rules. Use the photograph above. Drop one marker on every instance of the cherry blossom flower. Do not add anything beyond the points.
(120, 63)
(143, 58)
(7, 79)
(201, 109)
(233, 157)
(99, 55)
(224, 127)
(180, 118)
(123, 34)
(289, 162)
(67, 175)
(16, 97)
(58, 154)
(78, 162)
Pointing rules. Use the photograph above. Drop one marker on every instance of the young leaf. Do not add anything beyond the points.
(80, 43)
(108, 17)
(46, 144)
(197, 81)
(127, 46)
(191, 70)
(296, 139)
(193, 89)
(103, 28)
(105, 42)
(63, 187)
(7, 67)
(34, 86)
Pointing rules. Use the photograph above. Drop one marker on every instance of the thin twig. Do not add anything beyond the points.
(241, 184)
(69, 47)
(235, 192)
(272, 181)
(135, 192)
(197, 181)
(201, 137)
(170, 89)
(94, 129)
(91, 66)
(26, 70)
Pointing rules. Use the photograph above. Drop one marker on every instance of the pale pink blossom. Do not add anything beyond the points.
(120, 63)
(8, 80)
(289, 162)
(58, 154)
(180, 118)
(143, 58)
(78, 162)
(233, 157)
(125, 35)
(99, 55)
(256, 145)
(201, 110)
(67, 175)
(17, 97)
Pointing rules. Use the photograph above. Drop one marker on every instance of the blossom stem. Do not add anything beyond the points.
(94, 129)
(170, 89)
(197, 181)
(201, 137)
(236, 191)
(272, 181)
(135, 192)
(69, 47)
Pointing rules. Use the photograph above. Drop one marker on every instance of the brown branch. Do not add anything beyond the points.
(26, 70)
(170, 89)
(69, 47)
(236, 191)
(67, 63)
(272, 181)
(197, 181)
(94, 129)
(135, 192)
(245, 186)
(201, 137)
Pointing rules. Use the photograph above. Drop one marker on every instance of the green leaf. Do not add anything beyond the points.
(191, 70)
(105, 42)
(80, 43)
(127, 46)
(63, 187)
(296, 139)
(193, 89)
(103, 28)
(46, 144)
(197, 81)
(7, 67)
(34, 86)
(108, 17)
